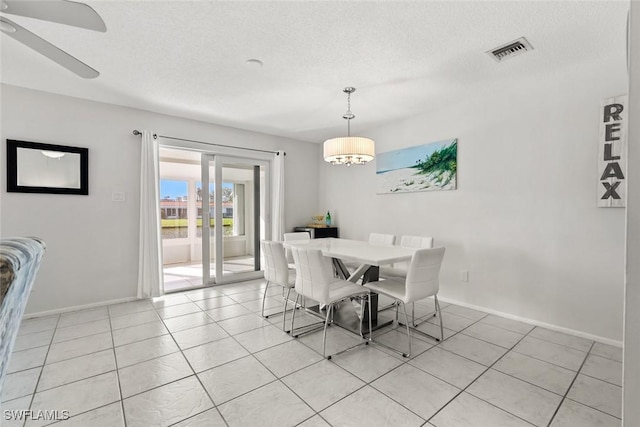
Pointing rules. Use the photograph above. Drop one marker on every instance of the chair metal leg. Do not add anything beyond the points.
(365, 341)
(370, 327)
(361, 316)
(434, 314)
(435, 297)
(397, 304)
(284, 310)
(324, 336)
(295, 306)
(425, 319)
(386, 307)
(264, 296)
(293, 315)
(406, 319)
(302, 330)
(413, 314)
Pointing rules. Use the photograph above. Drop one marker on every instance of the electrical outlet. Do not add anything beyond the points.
(464, 275)
(117, 196)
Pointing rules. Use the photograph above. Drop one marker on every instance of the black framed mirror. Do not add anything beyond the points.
(34, 167)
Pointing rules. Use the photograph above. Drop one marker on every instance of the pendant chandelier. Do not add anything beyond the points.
(349, 150)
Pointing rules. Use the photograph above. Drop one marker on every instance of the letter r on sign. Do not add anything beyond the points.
(612, 111)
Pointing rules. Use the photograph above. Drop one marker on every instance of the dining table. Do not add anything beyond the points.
(369, 257)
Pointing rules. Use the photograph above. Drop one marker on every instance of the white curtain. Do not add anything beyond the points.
(150, 260)
(278, 196)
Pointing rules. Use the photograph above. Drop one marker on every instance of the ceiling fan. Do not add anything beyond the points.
(59, 11)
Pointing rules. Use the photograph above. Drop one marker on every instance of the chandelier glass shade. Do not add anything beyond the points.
(349, 150)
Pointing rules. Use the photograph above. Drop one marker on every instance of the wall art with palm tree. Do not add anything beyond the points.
(427, 167)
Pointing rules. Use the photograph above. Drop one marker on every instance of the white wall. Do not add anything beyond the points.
(523, 220)
(631, 382)
(92, 242)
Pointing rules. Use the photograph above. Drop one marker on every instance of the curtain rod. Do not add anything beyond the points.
(155, 136)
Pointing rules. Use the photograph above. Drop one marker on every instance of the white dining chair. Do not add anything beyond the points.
(422, 281)
(382, 239)
(374, 239)
(296, 236)
(277, 272)
(315, 280)
(399, 269)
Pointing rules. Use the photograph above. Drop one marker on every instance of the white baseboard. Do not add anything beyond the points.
(569, 331)
(78, 307)
(556, 328)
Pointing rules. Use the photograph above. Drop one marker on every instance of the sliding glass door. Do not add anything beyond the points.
(234, 217)
(201, 193)
(180, 225)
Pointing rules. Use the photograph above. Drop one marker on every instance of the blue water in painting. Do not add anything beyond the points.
(407, 157)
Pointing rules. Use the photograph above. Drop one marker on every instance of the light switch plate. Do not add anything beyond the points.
(118, 196)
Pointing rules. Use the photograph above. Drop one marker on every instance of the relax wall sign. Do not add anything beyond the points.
(612, 153)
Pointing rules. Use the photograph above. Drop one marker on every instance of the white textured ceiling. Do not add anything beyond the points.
(188, 58)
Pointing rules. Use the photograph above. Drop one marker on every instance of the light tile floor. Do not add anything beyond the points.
(206, 358)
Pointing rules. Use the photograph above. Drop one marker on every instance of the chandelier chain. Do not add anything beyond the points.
(348, 115)
(349, 150)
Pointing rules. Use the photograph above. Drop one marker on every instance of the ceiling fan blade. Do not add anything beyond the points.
(60, 11)
(45, 48)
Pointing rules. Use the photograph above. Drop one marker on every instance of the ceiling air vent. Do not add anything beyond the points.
(510, 49)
